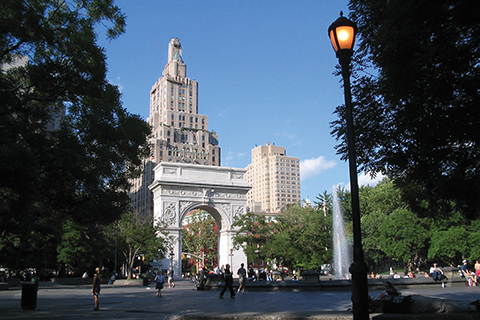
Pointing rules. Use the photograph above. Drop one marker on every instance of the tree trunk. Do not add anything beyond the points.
(132, 253)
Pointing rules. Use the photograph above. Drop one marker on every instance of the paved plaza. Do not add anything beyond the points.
(184, 301)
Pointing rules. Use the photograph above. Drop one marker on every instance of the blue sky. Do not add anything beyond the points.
(264, 70)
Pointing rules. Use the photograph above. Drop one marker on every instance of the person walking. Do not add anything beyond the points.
(159, 279)
(170, 278)
(228, 283)
(477, 271)
(97, 279)
(242, 278)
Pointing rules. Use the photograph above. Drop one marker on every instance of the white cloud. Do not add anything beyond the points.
(312, 167)
(365, 179)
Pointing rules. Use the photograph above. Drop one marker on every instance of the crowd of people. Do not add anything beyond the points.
(251, 274)
(472, 276)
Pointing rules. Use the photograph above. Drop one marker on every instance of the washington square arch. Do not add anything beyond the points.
(179, 188)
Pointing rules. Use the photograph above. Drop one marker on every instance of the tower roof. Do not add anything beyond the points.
(177, 56)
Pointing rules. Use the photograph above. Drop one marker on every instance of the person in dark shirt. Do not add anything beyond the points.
(228, 283)
(97, 279)
(242, 278)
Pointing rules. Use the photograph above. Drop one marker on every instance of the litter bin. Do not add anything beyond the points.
(145, 281)
(29, 295)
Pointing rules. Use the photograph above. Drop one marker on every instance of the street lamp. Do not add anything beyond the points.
(258, 254)
(342, 35)
(231, 258)
(171, 257)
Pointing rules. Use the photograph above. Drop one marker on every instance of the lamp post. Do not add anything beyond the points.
(171, 257)
(115, 265)
(258, 254)
(342, 35)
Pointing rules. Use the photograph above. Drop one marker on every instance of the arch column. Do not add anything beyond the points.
(179, 188)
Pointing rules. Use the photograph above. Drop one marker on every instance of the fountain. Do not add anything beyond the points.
(342, 250)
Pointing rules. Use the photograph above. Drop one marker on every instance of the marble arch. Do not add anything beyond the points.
(179, 188)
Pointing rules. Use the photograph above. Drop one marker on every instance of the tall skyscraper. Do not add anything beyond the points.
(179, 133)
(274, 178)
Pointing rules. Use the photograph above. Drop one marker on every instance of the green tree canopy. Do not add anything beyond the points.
(78, 172)
(254, 232)
(449, 245)
(82, 248)
(199, 234)
(138, 236)
(303, 238)
(376, 203)
(416, 105)
(299, 237)
(402, 236)
(472, 239)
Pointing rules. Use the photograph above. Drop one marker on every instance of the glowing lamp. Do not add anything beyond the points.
(342, 35)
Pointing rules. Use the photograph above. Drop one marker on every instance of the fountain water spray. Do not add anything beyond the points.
(342, 250)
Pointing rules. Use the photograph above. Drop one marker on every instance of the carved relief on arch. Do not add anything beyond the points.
(180, 192)
(238, 175)
(168, 191)
(185, 207)
(169, 212)
(170, 171)
(238, 211)
(241, 195)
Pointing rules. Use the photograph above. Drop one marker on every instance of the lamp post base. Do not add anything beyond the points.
(360, 299)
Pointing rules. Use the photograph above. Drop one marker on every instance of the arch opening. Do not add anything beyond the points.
(200, 240)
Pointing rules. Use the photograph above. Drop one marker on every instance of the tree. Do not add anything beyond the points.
(81, 248)
(139, 237)
(76, 173)
(473, 237)
(200, 234)
(254, 233)
(403, 237)
(416, 103)
(370, 235)
(303, 238)
(449, 245)
(376, 203)
(324, 202)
